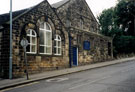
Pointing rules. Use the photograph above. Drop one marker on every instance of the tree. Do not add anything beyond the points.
(106, 21)
(125, 12)
(119, 21)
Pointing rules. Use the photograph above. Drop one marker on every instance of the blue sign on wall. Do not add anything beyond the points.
(86, 45)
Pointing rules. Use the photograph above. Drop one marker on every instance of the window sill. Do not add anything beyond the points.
(45, 54)
(57, 54)
(31, 52)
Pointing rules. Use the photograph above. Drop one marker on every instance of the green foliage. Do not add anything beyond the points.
(106, 20)
(118, 23)
(124, 44)
(125, 12)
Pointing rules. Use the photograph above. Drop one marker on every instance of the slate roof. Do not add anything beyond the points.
(6, 17)
(58, 4)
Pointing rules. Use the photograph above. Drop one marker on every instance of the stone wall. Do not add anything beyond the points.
(38, 62)
(98, 46)
(0, 41)
(77, 14)
(82, 25)
(0, 54)
(4, 57)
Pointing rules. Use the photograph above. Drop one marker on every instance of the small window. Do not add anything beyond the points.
(32, 39)
(57, 45)
(45, 41)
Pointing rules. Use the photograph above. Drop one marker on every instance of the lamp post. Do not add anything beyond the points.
(10, 56)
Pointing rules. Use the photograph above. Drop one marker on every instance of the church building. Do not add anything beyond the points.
(61, 35)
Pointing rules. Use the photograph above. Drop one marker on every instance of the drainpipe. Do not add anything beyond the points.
(10, 58)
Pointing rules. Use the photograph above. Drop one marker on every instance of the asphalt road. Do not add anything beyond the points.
(115, 78)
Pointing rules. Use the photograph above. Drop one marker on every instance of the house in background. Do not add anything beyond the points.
(61, 35)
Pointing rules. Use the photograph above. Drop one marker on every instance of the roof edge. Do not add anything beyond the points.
(26, 11)
(61, 4)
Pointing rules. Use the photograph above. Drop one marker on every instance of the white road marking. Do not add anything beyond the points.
(18, 86)
(89, 83)
(57, 79)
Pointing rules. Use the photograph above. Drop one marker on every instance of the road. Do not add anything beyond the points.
(114, 78)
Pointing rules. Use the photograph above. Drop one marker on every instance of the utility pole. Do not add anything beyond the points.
(10, 56)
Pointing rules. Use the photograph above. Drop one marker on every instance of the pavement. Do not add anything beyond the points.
(8, 83)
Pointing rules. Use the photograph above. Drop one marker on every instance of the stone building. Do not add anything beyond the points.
(61, 35)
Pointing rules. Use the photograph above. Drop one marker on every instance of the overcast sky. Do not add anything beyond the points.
(96, 5)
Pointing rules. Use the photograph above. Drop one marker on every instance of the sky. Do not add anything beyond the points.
(96, 5)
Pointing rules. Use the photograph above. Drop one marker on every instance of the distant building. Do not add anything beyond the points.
(61, 35)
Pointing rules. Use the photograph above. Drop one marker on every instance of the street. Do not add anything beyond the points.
(114, 78)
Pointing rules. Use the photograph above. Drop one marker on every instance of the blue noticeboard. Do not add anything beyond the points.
(86, 45)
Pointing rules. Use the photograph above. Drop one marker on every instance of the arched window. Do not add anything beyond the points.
(45, 41)
(32, 39)
(57, 45)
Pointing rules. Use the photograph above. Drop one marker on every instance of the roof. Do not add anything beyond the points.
(16, 14)
(58, 4)
(6, 17)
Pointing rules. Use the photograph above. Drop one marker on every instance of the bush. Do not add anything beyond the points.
(124, 44)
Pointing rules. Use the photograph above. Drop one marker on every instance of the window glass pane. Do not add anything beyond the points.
(33, 33)
(28, 48)
(42, 25)
(47, 27)
(41, 49)
(28, 38)
(48, 50)
(59, 50)
(55, 50)
(59, 43)
(59, 38)
(33, 40)
(55, 43)
(33, 47)
(41, 35)
(55, 37)
(48, 38)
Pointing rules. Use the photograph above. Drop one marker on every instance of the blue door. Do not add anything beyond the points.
(75, 56)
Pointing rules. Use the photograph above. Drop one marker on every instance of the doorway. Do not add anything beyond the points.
(75, 56)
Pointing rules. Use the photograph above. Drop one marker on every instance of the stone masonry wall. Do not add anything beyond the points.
(83, 27)
(4, 50)
(98, 47)
(0, 41)
(0, 53)
(38, 62)
(77, 14)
